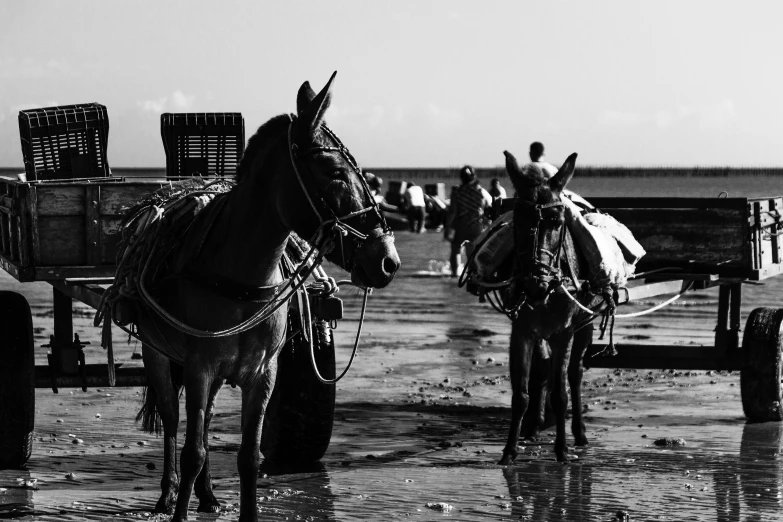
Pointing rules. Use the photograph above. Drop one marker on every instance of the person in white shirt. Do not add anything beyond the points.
(536, 153)
(496, 190)
(414, 202)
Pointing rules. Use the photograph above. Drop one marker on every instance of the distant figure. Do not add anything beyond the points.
(467, 210)
(496, 190)
(437, 211)
(416, 206)
(536, 153)
(376, 185)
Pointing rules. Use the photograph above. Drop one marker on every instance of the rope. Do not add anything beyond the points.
(632, 314)
(355, 343)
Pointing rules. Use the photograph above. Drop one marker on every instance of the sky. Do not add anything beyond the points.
(419, 83)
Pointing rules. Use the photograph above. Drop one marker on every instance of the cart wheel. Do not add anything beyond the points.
(299, 417)
(17, 381)
(761, 373)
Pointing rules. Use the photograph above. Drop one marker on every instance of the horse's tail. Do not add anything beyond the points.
(148, 414)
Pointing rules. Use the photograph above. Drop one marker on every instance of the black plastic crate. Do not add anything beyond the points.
(65, 142)
(202, 143)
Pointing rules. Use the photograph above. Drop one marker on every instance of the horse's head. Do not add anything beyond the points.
(539, 224)
(339, 211)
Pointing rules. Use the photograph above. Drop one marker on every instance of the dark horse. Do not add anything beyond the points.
(295, 175)
(545, 262)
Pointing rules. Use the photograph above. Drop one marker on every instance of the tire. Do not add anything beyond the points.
(761, 372)
(300, 415)
(17, 381)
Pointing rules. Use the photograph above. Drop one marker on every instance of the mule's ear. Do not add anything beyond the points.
(312, 114)
(304, 97)
(518, 176)
(564, 175)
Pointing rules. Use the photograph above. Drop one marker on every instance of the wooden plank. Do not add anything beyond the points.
(116, 200)
(708, 236)
(765, 272)
(55, 273)
(92, 224)
(111, 234)
(89, 294)
(31, 208)
(61, 200)
(636, 293)
(606, 203)
(22, 274)
(96, 376)
(62, 240)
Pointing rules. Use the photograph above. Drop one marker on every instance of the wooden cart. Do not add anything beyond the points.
(702, 243)
(63, 229)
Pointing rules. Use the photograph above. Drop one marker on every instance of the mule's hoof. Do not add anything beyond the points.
(562, 459)
(208, 505)
(508, 457)
(580, 441)
(166, 504)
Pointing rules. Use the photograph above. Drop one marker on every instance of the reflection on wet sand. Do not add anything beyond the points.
(749, 488)
(545, 491)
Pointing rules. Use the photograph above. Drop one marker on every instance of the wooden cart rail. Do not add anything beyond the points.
(731, 237)
(61, 229)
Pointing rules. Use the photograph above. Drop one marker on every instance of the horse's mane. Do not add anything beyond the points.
(260, 143)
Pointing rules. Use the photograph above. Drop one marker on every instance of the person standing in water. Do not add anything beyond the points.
(467, 210)
(414, 202)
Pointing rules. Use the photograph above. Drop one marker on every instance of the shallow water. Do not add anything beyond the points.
(404, 437)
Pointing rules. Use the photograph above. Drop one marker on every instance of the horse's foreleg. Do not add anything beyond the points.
(561, 350)
(197, 385)
(582, 340)
(158, 370)
(254, 402)
(207, 503)
(520, 358)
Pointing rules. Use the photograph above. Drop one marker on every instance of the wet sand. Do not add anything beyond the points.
(421, 419)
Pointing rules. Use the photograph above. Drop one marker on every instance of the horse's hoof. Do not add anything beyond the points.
(580, 441)
(208, 505)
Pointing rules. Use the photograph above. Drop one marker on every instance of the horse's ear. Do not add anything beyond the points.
(312, 113)
(564, 175)
(304, 97)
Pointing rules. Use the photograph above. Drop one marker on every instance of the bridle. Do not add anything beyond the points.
(334, 227)
(546, 273)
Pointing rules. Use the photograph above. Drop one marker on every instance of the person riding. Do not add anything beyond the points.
(416, 205)
(536, 153)
(496, 190)
(468, 204)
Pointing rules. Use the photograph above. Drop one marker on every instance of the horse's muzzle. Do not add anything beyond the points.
(376, 262)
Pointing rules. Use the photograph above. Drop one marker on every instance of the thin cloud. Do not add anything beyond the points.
(714, 116)
(620, 119)
(177, 102)
(444, 117)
